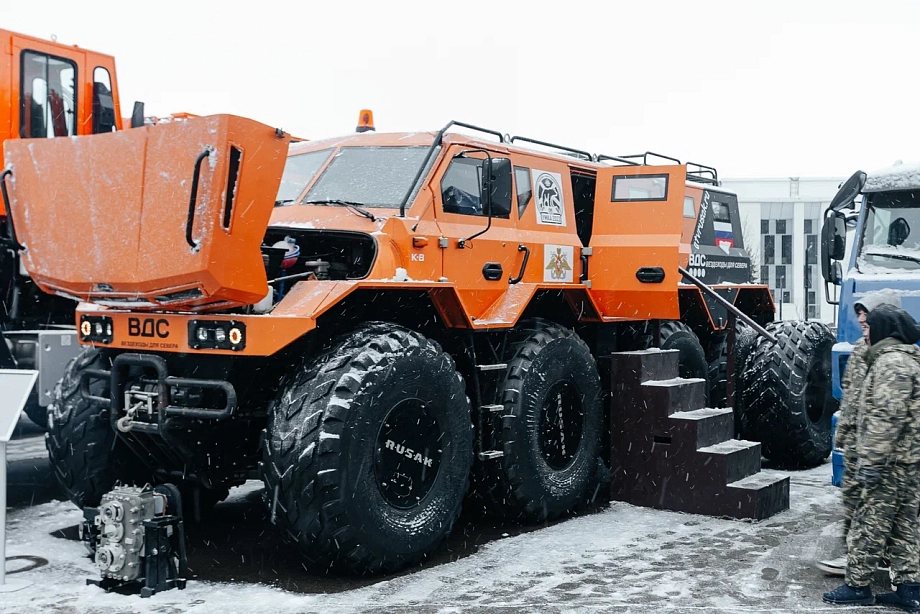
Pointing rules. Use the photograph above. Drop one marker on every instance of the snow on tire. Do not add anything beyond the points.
(787, 396)
(552, 441)
(86, 455)
(367, 453)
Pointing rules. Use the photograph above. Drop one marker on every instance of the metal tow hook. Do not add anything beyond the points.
(135, 400)
(126, 422)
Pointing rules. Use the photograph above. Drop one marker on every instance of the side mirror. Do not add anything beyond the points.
(846, 195)
(833, 245)
(137, 116)
(898, 232)
(496, 186)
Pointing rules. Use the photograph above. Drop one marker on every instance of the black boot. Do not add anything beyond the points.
(850, 595)
(907, 597)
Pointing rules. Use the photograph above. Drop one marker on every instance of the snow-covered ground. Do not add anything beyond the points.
(621, 559)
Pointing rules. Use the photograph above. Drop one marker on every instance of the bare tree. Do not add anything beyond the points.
(754, 254)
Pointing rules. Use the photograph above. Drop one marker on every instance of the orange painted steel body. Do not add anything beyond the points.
(128, 196)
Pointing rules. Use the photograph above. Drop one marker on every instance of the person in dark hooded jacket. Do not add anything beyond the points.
(887, 465)
(845, 433)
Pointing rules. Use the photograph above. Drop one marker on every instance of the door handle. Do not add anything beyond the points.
(492, 271)
(520, 276)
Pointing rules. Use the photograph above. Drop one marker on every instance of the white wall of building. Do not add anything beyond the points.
(795, 200)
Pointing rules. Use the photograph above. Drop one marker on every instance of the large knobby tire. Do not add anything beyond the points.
(367, 453)
(551, 448)
(717, 355)
(745, 342)
(86, 456)
(786, 392)
(692, 363)
(36, 413)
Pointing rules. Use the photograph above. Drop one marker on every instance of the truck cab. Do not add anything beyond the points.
(882, 211)
(50, 89)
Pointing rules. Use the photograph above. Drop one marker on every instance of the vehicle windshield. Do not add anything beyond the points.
(369, 176)
(299, 171)
(891, 234)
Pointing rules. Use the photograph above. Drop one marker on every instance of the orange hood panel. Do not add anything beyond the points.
(105, 218)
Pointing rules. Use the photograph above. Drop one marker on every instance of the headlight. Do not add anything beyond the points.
(217, 335)
(95, 329)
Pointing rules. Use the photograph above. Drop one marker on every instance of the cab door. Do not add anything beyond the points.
(481, 256)
(636, 241)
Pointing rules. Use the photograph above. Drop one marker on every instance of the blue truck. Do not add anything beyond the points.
(882, 210)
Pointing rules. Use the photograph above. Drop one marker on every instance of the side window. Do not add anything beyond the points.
(689, 209)
(460, 187)
(103, 102)
(721, 212)
(639, 187)
(524, 188)
(881, 225)
(48, 97)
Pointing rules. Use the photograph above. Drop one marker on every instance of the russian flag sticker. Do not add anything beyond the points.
(724, 237)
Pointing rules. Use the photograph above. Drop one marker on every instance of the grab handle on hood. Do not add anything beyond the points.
(9, 210)
(193, 198)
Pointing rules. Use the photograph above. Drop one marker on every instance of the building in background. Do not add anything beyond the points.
(781, 222)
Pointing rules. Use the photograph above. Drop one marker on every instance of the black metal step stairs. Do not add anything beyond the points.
(669, 451)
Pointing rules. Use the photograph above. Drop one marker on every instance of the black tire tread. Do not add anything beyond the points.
(692, 357)
(668, 328)
(308, 456)
(496, 480)
(773, 383)
(717, 356)
(36, 413)
(86, 458)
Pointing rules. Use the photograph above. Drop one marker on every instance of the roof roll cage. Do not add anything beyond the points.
(435, 145)
(650, 154)
(566, 150)
(700, 173)
(619, 160)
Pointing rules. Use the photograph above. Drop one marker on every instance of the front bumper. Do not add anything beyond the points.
(144, 396)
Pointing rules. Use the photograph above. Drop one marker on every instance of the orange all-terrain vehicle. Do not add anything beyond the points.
(404, 315)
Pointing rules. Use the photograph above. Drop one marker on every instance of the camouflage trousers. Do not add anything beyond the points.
(886, 514)
(850, 490)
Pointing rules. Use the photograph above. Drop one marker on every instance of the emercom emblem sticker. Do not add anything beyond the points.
(557, 262)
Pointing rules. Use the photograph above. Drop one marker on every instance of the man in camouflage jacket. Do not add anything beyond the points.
(845, 433)
(887, 444)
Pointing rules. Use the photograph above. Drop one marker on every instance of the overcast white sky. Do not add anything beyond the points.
(766, 88)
